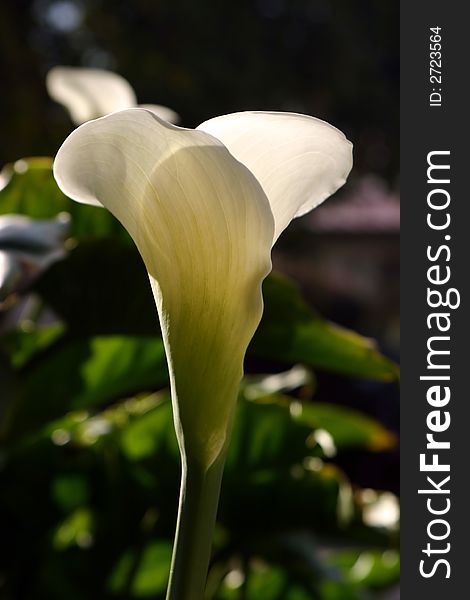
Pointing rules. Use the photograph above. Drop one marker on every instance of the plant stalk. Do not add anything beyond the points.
(199, 498)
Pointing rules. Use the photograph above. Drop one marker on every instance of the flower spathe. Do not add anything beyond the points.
(204, 207)
(91, 93)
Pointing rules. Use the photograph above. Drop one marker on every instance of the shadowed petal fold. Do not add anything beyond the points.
(204, 228)
(299, 160)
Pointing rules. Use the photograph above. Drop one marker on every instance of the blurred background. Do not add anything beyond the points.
(89, 469)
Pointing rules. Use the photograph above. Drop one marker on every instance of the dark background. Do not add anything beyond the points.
(334, 59)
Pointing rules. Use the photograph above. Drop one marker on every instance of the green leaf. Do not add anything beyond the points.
(86, 373)
(270, 457)
(144, 573)
(266, 436)
(75, 530)
(339, 590)
(264, 581)
(70, 491)
(291, 332)
(32, 191)
(348, 427)
(375, 569)
(150, 433)
(22, 344)
(119, 366)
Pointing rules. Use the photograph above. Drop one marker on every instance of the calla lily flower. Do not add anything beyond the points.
(204, 208)
(91, 93)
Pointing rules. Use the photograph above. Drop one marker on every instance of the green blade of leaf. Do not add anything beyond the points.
(291, 332)
(85, 373)
(349, 428)
(32, 191)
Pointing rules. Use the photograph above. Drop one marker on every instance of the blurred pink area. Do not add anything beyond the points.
(369, 206)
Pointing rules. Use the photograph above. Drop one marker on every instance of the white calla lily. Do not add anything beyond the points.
(91, 93)
(204, 208)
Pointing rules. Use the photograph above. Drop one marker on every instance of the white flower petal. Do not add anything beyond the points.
(89, 93)
(204, 228)
(299, 160)
(165, 113)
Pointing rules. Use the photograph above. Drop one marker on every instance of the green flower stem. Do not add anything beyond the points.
(199, 498)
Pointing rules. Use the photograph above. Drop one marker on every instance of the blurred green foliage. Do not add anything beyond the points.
(89, 464)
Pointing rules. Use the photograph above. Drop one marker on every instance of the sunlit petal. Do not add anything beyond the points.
(203, 226)
(299, 160)
(89, 93)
